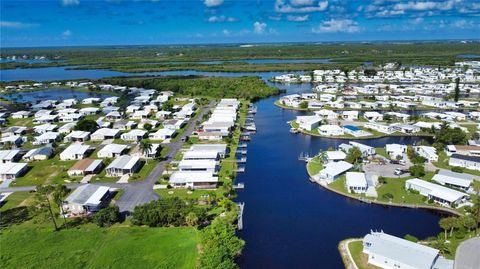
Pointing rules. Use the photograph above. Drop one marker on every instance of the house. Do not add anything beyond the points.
(152, 152)
(193, 180)
(469, 162)
(331, 130)
(163, 134)
(85, 167)
(383, 128)
(350, 115)
(387, 251)
(373, 116)
(326, 114)
(66, 128)
(86, 199)
(395, 150)
(46, 138)
(201, 155)
(220, 149)
(77, 136)
(210, 136)
(334, 156)
(356, 182)
(174, 124)
(75, 152)
(125, 125)
(14, 130)
(15, 140)
(333, 170)
(438, 193)
(123, 165)
(198, 165)
(105, 133)
(448, 178)
(112, 150)
(365, 149)
(113, 116)
(406, 128)
(9, 156)
(429, 153)
(21, 114)
(45, 128)
(12, 170)
(134, 135)
(38, 154)
(308, 123)
(86, 111)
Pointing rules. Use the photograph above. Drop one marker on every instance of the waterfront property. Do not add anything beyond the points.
(448, 178)
(469, 162)
(391, 252)
(356, 182)
(440, 194)
(334, 170)
(193, 180)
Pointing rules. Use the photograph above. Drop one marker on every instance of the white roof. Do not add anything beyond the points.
(401, 250)
(75, 149)
(330, 127)
(76, 134)
(356, 179)
(8, 154)
(458, 179)
(112, 148)
(204, 154)
(336, 168)
(187, 176)
(438, 190)
(165, 132)
(11, 168)
(336, 155)
(106, 132)
(207, 164)
(124, 162)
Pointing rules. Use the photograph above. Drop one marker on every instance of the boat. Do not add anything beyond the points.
(294, 130)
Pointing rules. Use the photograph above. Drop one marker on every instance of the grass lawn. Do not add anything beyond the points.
(361, 259)
(396, 187)
(339, 184)
(184, 193)
(46, 172)
(314, 166)
(382, 152)
(27, 122)
(88, 246)
(443, 163)
(14, 200)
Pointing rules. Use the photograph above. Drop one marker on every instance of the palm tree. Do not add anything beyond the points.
(145, 147)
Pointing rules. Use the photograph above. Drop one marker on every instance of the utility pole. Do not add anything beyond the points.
(51, 212)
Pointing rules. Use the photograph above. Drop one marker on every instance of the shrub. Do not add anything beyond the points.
(457, 169)
(410, 237)
(107, 216)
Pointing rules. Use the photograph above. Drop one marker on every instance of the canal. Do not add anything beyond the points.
(288, 221)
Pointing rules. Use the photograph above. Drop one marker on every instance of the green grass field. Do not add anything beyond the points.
(14, 200)
(90, 247)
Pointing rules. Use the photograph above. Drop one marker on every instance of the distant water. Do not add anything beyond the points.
(468, 56)
(32, 61)
(52, 94)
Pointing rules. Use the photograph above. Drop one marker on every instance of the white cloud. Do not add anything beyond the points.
(422, 6)
(221, 19)
(297, 18)
(70, 2)
(275, 18)
(300, 6)
(213, 3)
(66, 34)
(15, 24)
(226, 32)
(259, 27)
(336, 26)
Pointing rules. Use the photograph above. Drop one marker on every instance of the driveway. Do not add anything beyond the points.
(386, 170)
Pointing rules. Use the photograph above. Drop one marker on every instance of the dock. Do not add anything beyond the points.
(242, 145)
(242, 151)
(240, 216)
(239, 186)
(240, 170)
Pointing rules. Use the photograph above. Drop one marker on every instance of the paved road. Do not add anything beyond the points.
(467, 255)
(140, 192)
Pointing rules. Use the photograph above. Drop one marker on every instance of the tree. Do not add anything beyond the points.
(354, 155)
(191, 219)
(417, 170)
(447, 224)
(303, 105)
(457, 89)
(449, 136)
(147, 126)
(469, 222)
(107, 216)
(146, 148)
(86, 125)
(167, 105)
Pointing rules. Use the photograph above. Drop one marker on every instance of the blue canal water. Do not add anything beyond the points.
(52, 94)
(288, 221)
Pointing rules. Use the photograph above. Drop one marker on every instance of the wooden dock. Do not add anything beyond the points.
(240, 216)
(239, 186)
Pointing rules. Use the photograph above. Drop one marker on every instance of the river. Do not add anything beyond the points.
(288, 221)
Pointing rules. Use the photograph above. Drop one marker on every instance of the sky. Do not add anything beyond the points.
(136, 22)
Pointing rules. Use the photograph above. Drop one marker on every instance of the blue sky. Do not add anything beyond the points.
(136, 22)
